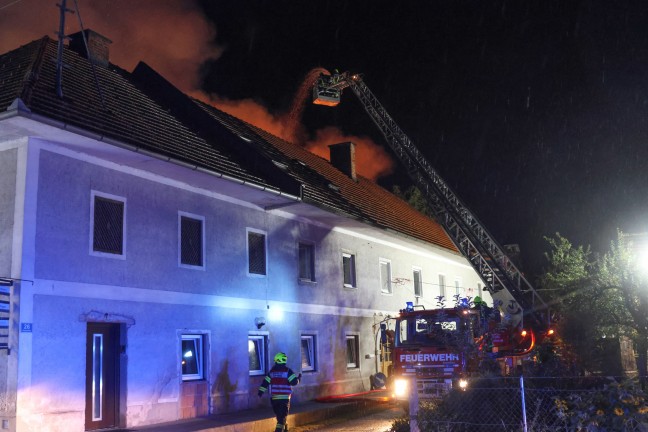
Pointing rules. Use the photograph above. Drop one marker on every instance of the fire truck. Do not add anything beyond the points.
(442, 347)
(445, 348)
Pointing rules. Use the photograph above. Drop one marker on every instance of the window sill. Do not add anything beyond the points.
(191, 267)
(192, 380)
(99, 254)
(306, 281)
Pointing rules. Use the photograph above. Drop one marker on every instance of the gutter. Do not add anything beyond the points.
(19, 109)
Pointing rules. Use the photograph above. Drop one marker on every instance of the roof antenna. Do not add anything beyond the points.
(92, 64)
(59, 55)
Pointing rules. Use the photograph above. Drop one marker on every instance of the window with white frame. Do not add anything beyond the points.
(107, 220)
(308, 353)
(349, 270)
(306, 262)
(352, 351)
(192, 245)
(458, 287)
(192, 357)
(256, 245)
(442, 285)
(418, 282)
(385, 276)
(257, 354)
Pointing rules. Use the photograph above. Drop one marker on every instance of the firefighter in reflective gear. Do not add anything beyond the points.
(280, 379)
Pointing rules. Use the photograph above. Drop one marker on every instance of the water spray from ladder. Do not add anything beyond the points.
(299, 101)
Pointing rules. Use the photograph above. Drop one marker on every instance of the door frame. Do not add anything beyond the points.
(102, 396)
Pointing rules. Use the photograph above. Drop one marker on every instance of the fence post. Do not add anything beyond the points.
(413, 405)
(524, 419)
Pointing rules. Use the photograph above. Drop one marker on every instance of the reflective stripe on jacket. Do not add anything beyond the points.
(280, 379)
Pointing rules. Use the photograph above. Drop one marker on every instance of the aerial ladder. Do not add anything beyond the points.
(511, 291)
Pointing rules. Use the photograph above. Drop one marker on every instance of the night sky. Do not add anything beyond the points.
(533, 111)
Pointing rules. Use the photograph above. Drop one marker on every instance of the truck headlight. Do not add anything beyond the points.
(400, 388)
(463, 383)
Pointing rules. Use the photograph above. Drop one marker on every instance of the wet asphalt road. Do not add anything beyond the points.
(379, 421)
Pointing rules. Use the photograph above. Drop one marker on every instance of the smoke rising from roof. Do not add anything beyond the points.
(372, 161)
(176, 39)
(172, 36)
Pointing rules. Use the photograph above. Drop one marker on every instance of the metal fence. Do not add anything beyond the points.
(538, 405)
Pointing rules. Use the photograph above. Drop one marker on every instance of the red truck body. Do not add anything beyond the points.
(443, 348)
(433, 346)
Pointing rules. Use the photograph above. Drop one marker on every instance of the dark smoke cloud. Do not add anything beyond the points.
(175, 38)
(172, 36)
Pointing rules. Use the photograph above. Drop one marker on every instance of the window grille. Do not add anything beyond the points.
(191, 247)
(108, 234)
(256, 253)
(306, 262)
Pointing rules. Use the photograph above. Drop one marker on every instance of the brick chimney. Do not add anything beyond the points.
(343, 158)
(97, 45)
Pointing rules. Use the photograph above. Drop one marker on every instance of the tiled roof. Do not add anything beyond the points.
(381, 206)
(362, 198)
(143, 110)
(126, 114)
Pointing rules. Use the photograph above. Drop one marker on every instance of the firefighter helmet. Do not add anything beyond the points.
(280, 358)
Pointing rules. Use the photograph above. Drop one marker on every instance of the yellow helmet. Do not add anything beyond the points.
(280, 358)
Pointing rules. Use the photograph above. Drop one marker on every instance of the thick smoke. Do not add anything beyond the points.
(174, 38)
